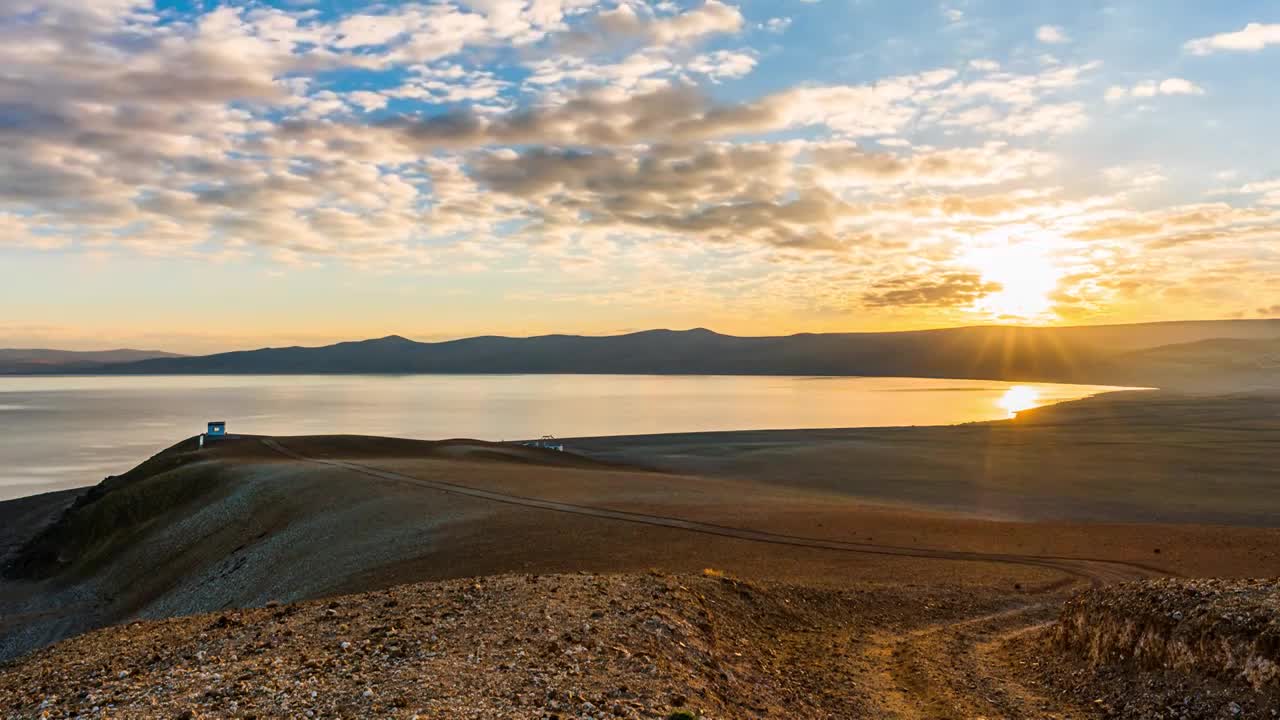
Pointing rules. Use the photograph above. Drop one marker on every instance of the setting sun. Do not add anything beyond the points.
(1027, 276)
(1019, 398)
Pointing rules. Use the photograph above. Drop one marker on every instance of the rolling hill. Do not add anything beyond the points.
(20, 360)
(1117, 354)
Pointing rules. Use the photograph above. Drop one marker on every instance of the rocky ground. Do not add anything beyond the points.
(655, 645)
(580, 646)
(1170, 648)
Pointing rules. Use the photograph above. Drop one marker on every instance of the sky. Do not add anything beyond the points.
(200, 176)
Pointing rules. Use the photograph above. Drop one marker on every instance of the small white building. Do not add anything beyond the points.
(546, 442)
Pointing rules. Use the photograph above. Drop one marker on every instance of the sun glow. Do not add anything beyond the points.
(1027, 275)
(1019, 398)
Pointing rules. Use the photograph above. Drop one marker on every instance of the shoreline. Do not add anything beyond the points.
(1115, 457)
(54, 415)
(1152, 457)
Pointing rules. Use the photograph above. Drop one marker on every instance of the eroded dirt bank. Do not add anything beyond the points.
(1172, 648)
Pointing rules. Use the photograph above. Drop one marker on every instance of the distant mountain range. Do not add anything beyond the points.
(1231, 353)
(66, 361)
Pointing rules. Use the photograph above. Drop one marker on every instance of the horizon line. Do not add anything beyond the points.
(1009, 326)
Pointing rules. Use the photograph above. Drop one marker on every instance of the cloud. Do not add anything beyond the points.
(1179, 86)
(367, 101)
(723, 64)
(675, 113)
(645, 69)
(1051, 35)
(1140, 177)
(791, 195)
(1180, 225)
(1055, 119)
(671, 113)
(365, 30)
(721, 193)
(624, 24)
(18, 231)
(1254, 37)
(225, 132)
(991, 163)
(777, 25)
(1151, 88)
(710, 18)
(949, 290)
(1116, 93)
(1269, 190)
(448, 83)
(1014, 89)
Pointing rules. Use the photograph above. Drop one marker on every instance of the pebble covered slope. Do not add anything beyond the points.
(516, 646)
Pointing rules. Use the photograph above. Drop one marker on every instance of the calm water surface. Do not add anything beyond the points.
(59, 432)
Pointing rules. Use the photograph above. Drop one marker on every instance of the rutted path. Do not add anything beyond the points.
(955, 670)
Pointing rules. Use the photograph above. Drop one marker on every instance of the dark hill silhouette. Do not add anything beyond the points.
(1222, 364)
(1093, 354)
(21, 360)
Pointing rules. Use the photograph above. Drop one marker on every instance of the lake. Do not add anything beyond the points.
(60, 432)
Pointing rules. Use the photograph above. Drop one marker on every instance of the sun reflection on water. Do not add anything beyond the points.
(1019, 398)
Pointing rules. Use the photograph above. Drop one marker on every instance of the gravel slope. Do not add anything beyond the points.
(583, 645)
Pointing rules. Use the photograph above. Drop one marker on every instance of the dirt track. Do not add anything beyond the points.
(1096, 571)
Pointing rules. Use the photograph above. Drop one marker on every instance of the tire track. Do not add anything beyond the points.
(947, 670)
